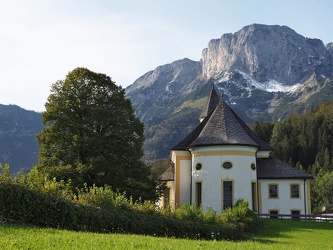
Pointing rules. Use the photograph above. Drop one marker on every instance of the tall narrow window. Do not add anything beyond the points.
(166, 196)
(273, 191)
(227, 194)
(254, 197)
(294, 191)
(198, 193)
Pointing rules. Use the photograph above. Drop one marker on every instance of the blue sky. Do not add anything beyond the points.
(42, 40)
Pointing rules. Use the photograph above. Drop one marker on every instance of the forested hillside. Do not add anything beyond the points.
(18, 128)
(305, 141)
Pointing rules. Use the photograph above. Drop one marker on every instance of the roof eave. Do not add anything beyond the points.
(283, 178)
(220, 144)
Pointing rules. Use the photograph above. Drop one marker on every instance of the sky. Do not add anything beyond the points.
(42, 40)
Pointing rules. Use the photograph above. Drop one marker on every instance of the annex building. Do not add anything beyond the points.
(222, 161)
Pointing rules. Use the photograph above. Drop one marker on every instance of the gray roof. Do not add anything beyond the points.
(212, 101)
(222, 127)
(274, 168)
(169, 174)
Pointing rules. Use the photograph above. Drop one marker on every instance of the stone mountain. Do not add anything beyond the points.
(265, 72)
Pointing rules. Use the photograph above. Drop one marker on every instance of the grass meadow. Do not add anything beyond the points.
(275, 234)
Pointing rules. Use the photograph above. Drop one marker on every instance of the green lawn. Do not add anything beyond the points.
(275, 234)
(279, 234)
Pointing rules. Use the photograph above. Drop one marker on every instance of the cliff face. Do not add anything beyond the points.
(265, 53)
(265, 72)
(159, 88)
(329, 47)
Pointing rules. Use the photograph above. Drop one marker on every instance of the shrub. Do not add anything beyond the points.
(189, 212)
(21, 204)
(36, 180)
(106, 198)
(35, 199)
(240, 214)
(4, 173)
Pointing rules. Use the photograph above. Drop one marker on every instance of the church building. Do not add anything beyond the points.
(222, 160)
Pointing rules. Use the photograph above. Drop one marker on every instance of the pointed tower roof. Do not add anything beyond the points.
(212, 102)
(222, 126)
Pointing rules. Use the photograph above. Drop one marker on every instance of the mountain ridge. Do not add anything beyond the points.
(265, 52)
(264, 72)
(18, 128)
(284, 73)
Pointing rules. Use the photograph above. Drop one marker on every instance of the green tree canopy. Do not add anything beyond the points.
(322, 192)
(305, 141)
(92, 136)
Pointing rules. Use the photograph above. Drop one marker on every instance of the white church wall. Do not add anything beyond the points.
(185, 181)
(284, 203)
(263, 154)
(182, 183)
(213, 173)
(162, 202)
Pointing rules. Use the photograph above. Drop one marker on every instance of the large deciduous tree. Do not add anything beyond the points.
(92, 136)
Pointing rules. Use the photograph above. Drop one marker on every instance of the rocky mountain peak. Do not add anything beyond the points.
(166, 75)
(266, 52)
(158, 88)
(266, 72)
(329, 47)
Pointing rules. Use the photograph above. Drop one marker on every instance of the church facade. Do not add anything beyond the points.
(222, 161)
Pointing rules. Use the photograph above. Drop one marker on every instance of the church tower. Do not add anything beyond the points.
(222, 160)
